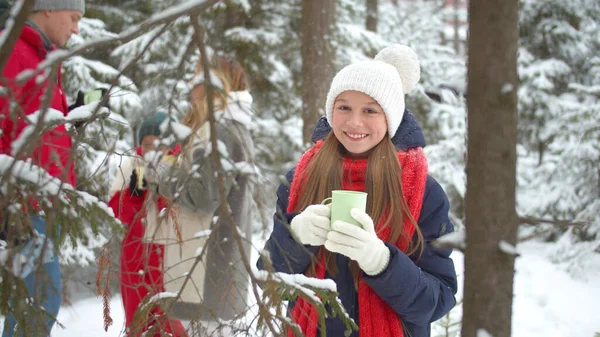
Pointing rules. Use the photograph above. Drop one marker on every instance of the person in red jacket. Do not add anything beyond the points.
(50, 25)
(141, 262)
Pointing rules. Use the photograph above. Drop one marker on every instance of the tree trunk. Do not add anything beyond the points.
(372, 15)
(317, 60)
(491, 160)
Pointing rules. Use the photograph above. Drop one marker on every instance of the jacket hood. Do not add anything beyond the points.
(409, 134)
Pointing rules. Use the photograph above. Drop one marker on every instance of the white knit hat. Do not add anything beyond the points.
(394, 72)
(57, 5)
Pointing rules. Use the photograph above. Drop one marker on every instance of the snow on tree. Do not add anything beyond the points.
(559, 103)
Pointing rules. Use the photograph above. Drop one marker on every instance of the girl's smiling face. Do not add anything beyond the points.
(359, 123)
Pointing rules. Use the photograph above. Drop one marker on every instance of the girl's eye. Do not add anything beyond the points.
(370, 111)
(343, 107)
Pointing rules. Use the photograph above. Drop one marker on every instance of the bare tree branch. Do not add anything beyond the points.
(181, 69)
(199, 39)
(561, 223)
(225, 212)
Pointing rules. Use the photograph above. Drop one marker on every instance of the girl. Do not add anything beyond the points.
(218, 286)
(141, 263)
(390, 279)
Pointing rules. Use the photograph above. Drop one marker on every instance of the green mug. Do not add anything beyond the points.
(343, 201)
(92, 96)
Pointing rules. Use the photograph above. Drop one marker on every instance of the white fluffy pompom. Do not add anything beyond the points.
(406, 61)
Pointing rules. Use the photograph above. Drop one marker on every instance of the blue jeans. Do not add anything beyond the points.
(44, 285)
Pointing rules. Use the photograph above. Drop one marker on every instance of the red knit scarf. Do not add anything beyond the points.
(376, 317)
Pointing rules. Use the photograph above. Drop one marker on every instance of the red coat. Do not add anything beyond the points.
(54, 151)
(141, 265)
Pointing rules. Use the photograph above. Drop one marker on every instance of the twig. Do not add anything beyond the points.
(181, 69)
(561, 223)
(199, 40)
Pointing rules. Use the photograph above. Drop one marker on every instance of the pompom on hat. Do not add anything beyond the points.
(394, 72)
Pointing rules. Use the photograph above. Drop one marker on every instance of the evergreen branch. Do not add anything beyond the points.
(29, 181)
(590, 90)
(279, 287)
(28, 312)
(31, 191)
(103, 290)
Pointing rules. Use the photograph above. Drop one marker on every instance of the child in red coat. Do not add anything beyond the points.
(141, 262)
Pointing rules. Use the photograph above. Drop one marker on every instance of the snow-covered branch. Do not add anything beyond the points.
(508, 248)
(49, 187)
(483, 333)
(455, 240)
(300, 282)
(51, 118)
(590, 90)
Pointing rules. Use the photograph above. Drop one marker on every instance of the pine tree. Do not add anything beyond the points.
(560, 97)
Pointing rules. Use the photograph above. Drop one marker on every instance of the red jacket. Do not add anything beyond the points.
(141, 264)
(54, 151)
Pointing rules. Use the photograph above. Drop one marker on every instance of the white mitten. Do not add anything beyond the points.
(359, 244)
(312, 225)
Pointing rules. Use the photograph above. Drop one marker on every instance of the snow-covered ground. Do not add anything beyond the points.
(548, 300)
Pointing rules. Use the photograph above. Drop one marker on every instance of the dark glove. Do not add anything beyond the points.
(134, 189)
(88, 97)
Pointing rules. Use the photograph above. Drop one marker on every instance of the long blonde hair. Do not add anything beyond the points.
(233, 77)
(383, 183)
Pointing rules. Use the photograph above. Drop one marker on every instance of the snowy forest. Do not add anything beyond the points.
(145, 54)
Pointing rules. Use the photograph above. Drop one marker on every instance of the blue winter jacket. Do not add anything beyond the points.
(420, 289)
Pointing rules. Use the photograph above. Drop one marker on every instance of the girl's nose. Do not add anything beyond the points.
(355, 119)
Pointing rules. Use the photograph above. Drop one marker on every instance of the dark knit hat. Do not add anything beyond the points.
(56, 5)
(151, 125)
